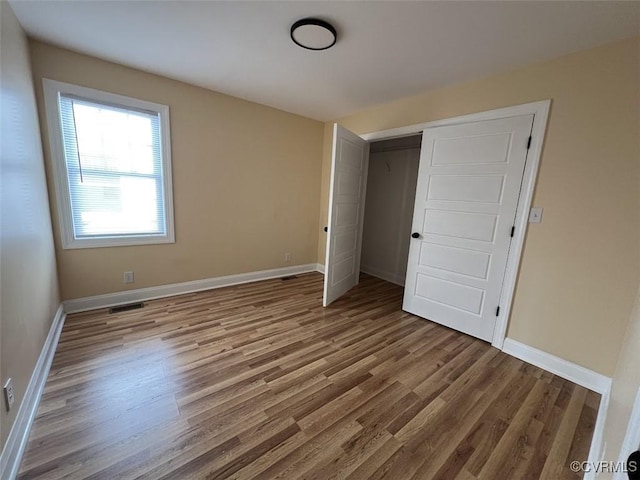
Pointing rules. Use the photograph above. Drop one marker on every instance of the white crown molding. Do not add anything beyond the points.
(19, 435)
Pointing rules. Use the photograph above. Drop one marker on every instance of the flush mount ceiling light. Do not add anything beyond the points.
(313, 34)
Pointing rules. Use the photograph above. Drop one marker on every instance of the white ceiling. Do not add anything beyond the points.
(385, 50)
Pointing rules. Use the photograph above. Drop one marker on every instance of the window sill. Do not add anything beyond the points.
(72, 244)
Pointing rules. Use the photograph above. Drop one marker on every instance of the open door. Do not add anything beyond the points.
(469, 182)
(346, 213)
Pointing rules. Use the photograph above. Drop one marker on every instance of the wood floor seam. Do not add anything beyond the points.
(259, 381)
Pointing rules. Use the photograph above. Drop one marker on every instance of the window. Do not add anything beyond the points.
(112, 167)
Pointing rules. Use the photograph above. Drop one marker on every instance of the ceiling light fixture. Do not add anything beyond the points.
(313, 34)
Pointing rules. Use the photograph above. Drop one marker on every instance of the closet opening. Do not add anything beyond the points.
(388, 212)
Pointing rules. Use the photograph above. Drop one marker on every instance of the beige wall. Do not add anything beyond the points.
(581, 266)
(245, 183)
(391, 189)
(28, 282)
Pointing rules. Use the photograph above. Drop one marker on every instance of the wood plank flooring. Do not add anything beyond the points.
(258, 381)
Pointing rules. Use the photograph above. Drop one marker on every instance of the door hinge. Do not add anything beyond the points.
(497, 311)
(529, 143)
(513, 231)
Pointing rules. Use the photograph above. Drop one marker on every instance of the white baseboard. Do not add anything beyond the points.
(19, 434)
(384, 275)
(575, 373)
(558, 366)
(320, 268)
(631, 441)
(150, 293)
(596, 451)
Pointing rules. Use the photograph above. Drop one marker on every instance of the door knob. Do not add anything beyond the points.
(326, 229)
(415, 235)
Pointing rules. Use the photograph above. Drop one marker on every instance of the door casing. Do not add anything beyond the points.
(540, 110)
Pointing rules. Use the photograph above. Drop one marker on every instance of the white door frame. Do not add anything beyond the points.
(631, 441)
(540, 110)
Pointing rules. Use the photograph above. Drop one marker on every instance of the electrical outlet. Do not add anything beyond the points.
(287, 257)
(128, 277)
(8, 394)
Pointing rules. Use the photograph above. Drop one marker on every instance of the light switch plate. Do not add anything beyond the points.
(8, 394)
(535, 215)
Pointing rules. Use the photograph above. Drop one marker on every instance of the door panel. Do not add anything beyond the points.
(455, 260)
(468, 186)
(474, 226)
(346, 211)
(485, 149)
(450, 294)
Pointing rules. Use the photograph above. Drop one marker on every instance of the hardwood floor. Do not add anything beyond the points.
(258, 381)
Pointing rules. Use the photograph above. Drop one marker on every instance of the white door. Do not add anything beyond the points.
(346, 212)
(468, 186)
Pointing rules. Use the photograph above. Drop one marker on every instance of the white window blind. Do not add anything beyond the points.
(112, 167)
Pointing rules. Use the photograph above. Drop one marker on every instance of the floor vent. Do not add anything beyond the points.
(289, 277)
(124, 308)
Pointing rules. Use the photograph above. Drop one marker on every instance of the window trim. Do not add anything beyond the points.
(52, 89)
